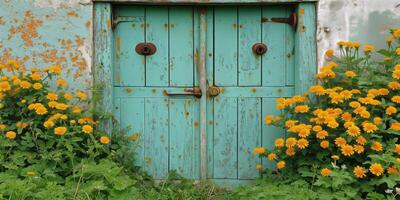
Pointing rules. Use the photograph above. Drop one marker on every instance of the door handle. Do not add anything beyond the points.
(196, 92)
(213, 91)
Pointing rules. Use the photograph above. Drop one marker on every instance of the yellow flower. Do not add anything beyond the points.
(317, 128)
(347, 116)
(394, 85)
(322, 134)
(279, 142)
(37, 86)
(280, 165)
(347, 150)
(68, 96)
(277, 118)
(72, 122)
(290, 123)
(290, 151)
(377, 146)
(258, 150)
(36, 76)
(350, 74)
(324, 144)
(392, 170)
(398, 51)
(11, 135)
(397, 149)
(390, 110)
(48, 124)
(87, 129)
(395, 126)
(359, 149)
(339, 141)
(377, 120)
(361, 140)
(376, 169)
(369, 127)
(55, 69)
(258, 166)
(268, 119)
(396, 99)
(325, 172)
(353, 131)
(62, 106)
(301, 109)
(272, 156)
(396, 74)
(25, 84)
(104, 140)
(2, 127)
(302, 143)
(52, 104)
(329, 53)
(335, 157)
(389, 40)
(318, 90)
(52, 96)
(291, 142)
(60, 130)
(81, 95)
(76, 110)
(41, 110)
(64, 117)
(4, 86)
(368, 48)
(62, 82)
(359, 172)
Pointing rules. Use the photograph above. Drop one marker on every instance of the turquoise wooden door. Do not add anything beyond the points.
(146, 88)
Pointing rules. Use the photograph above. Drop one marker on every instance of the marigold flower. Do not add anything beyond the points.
(377, 120)
(11, 135)
(361, 140)
(62, 106)
(394, 85)
(60, 130)
(347, 150)
(302, 143)
(335, 157)
(277, 118)
(104, 140)
(290, 151)
(48, 124)
(2, 127)
(339, 141)
(390, 110)
(324, 144)
(329, 53)
(290, 123)
(353, 131)
(5, 86)
(258, 150)
(322, 134)
(55, 69)
(268, 119)
(325, 172)
(389, 40)
(37, 86)
(395, 126)
(279, 142)
(318, 90)
(52, 96)
(368, 48)
(392, 170)
(359, 172)
(280, 165)
(258, 166)
(358, 148)
(398, 51)
(317, 128)
(41, 110)
(272, 156)
(369, 127)
(376, 169)
(350, 74)
(68, 96)
(396, 74)
(62, 82)
(36, 76)
(81, 95)
(347, 116)
(291, 142)
(301, 109)
(87, 129)
(72, 122)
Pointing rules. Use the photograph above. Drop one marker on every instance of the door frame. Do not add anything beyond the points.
(305, 52)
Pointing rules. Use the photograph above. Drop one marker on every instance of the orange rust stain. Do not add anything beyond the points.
(79, 41)
(5, 56)
(301, 11)
(27, 29)
(1, 20)
(88, 23)
(72, 14)
(108, 24)
(118, 43)
(254, 90)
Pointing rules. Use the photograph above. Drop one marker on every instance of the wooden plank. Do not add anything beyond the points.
(269, 133)
(225, 91)
(225, 41)
(102, 62)
(184, 137)
(132, 117)
(249, 65)
(157, 73)
(274, 36)
(129, 66)
(289, 50)
(249, 136)
(156, 139)
(204, 1)
(117, 111)
(225, 138)
(305, 51)
(181, 46)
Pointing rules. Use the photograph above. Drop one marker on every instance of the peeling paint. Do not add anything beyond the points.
(27, 29)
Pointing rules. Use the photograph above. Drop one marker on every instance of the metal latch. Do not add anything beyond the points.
(196, 92)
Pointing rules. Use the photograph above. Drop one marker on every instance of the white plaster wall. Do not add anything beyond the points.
(365, 21)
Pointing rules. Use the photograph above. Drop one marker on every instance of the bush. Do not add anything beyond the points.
(343, 137)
